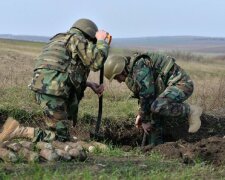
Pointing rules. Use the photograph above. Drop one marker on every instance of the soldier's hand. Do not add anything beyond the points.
(98, 89)
(138, 121)
(146, 127)
(101, 35)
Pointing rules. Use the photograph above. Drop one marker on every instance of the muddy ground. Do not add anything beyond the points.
(208, 144)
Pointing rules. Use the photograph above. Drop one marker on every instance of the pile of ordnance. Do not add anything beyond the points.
(26, 151)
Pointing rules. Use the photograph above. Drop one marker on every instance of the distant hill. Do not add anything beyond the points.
(195, 44)
(25, 37)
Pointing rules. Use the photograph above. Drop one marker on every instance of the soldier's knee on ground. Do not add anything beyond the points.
(52, 118)
(62, 131)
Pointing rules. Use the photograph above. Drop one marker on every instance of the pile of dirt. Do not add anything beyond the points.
(207, 144)
(211, 150)
(125, 133)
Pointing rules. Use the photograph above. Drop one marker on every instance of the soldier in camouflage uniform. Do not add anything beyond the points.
(60, 78)
(161, 87)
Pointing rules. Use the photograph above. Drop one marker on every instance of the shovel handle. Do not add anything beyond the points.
(100, 101)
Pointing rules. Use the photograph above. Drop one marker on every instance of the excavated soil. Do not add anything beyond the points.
(210, 150)
(208, 144)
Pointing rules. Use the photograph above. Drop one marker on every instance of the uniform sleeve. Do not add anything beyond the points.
(92, 55)
(144, 79)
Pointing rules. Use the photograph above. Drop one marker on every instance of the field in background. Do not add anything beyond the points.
(17, 60)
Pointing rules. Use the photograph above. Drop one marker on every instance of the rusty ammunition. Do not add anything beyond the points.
(7, 155)
(63, 154)
(28, 155)
(44, 145)
(27, 144)
(49, 154)
(61, 145)
(14, 146)
(78, 154)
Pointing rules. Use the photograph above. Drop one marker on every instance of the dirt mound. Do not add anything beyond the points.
(211, 150)
(125, 133)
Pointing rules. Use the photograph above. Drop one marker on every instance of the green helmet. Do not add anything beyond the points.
(113, 66)
(86, 26)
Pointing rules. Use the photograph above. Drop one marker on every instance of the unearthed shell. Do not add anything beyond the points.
(27, 144)
(7, 155)
(75, 145)
(100, 146)
(78, 154)
(44, 145)
(61, 145)
(63, 154)
(49, 155)
(28, 155)
(4, 144)
(14, 146)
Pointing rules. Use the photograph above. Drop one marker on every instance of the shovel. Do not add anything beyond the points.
(96, 135)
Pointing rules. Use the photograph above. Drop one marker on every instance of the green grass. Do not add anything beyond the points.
(114, 167)
(17, 100)
(19, 103)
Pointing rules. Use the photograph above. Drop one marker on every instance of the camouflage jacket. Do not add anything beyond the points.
(144, 72)
(65, 63)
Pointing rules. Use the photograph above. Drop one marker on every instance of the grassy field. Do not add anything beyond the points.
(17, 61)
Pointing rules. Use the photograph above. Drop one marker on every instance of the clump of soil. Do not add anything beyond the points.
(125, 133)
(211, 150)
(207, 144)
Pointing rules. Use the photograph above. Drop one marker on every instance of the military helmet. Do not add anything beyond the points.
(86, 26)
(113, 66)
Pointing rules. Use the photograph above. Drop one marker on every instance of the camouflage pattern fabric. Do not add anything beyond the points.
(170, 102)
(161, 87)
(60, 76)
(66, 62)
(57, 110)
(142, 81)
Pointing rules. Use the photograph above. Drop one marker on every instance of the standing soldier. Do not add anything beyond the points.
(161, 87)
(60, 78)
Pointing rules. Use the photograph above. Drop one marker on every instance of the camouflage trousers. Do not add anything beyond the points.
(57, 112)
(170, 104)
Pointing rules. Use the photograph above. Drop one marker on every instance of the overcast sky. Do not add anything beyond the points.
(122, 18)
